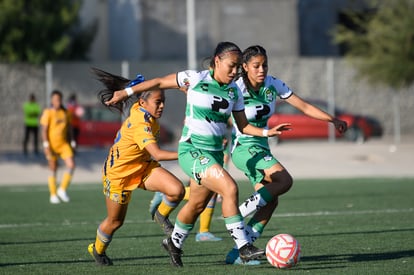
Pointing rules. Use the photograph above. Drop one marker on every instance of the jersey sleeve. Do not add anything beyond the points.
(239, 103)
(143, 134)
(44, 119)
(188, 78)
(283, 91)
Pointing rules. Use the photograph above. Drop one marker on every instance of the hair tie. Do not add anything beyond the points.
(140, 78)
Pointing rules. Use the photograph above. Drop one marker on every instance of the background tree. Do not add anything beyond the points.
(380, 44)
(36, 31)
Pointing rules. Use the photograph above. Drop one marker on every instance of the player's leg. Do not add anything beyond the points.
(173, 192)
(66, 179)
(116, 213)
(184, 223)
(155, 202)
(51, 180)
(219, 181)
(204, 234)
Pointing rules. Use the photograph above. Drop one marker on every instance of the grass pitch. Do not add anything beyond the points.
(354, 226)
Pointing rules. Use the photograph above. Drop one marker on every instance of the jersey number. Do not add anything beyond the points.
(219, 103)
(262, 110)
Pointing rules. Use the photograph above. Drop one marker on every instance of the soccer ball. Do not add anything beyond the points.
(283, 251)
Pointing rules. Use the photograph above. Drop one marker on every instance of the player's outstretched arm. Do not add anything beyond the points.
(166, 82)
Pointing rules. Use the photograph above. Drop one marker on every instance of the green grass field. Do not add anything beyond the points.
(358, 226)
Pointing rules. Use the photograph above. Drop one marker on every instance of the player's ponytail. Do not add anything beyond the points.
(114, 83)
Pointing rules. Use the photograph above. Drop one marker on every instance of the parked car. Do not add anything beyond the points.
(99, 126)
(360, 128)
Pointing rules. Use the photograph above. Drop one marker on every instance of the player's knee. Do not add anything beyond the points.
(283, 179)
(229, 192)
(176, 193)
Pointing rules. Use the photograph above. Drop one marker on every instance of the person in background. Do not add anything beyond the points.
(58, 143)
(31, 112)
(76, 112)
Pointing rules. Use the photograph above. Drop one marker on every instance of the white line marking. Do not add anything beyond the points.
(286, 215)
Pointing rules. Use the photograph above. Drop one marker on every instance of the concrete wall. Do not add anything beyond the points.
(307, 77)
(156, 29)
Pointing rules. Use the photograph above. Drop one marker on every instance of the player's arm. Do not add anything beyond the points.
(314, 112)
(243, 125)
(45, 139)
(159, 154)
(166, 82)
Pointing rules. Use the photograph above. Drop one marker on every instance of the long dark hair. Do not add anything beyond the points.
(248, 53)
(221, 49)
(114, 83)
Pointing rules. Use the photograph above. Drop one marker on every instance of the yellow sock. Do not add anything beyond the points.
(52, 185)
(102, 241)
(67, 177)
(165, 209)
(205, 219)
(187, 193)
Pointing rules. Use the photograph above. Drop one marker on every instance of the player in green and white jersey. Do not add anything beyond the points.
(212, 97)
(251, 154)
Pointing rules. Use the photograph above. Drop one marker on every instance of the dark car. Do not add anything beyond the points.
(99, 126)
(360, 128)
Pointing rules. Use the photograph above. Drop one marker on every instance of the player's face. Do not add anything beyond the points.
(226, 67)
(256, 69)
(56, 101)
(154, 103)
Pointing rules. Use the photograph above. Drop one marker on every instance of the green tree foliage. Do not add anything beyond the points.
(36, 31)
(381, 45)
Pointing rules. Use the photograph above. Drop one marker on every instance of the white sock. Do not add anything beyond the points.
(236, 230)
(251, 234)
(251, 204)
(180, 233)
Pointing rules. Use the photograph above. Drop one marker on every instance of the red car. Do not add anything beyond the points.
(99, 126)
(360, 128)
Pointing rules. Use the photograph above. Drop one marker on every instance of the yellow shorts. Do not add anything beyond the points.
(119, 190)
(63, 151)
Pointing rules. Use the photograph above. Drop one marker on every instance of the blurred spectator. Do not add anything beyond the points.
(76, 111)
(31, 111)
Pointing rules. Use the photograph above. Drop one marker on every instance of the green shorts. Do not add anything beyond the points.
(253, 160)
(195, 162)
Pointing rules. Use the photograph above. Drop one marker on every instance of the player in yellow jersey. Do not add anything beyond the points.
(132, 163)
(56, 136)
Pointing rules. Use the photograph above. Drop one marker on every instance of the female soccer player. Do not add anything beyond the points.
(132, 163)
(56, 128)
(212, 97)
(252, 155)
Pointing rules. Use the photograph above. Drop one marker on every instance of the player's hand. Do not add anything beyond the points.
(117, 97)
(278, 129)
(73, 144)
(340, 125)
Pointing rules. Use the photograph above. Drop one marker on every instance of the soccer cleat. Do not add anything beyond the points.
(232, 256)
(54, 199)
(164, 222)
(206, 237)
(155, 202)
(250, 252)
(63, 195)
(239, 261)
(175, 253)
(100, 259)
